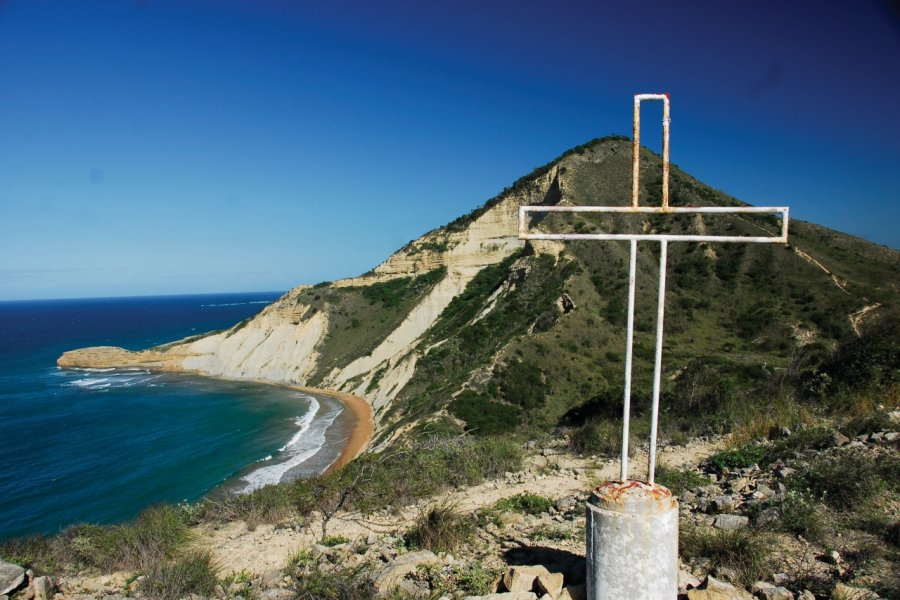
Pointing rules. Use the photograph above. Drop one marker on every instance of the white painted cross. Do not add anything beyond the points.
(663, 240)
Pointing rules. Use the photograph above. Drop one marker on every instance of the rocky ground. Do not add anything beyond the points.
(514, 551)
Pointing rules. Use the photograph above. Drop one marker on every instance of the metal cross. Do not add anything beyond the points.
(663, 240)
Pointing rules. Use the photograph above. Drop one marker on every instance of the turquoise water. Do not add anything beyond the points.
(100, 446)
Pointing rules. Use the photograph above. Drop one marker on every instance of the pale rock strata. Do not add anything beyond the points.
(281, 344)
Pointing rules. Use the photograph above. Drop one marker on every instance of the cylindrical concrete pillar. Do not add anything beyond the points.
(632, 542)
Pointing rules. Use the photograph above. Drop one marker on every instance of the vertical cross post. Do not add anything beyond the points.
(632, 526)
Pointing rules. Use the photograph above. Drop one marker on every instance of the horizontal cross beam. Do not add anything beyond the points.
(782, 238)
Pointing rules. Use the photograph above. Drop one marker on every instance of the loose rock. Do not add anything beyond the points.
(391, 575)
(521, 578)
(11, 577)
(713, 589)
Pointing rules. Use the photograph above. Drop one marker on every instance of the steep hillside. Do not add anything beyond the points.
(469, 327)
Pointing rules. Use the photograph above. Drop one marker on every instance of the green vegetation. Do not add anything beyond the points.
(394, 291)
(441, 529)
(484, 416)
(526, 503)
(522, 383)
(361, 317)
(150, 540)
(345, 583)
(372, 482)
(191, 573)
(843, 480)
(738, 458)
(334, 540)
(745, 551)
(679, 481)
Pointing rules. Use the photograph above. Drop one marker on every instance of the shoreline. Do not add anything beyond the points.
(363, 428)
(118, 358)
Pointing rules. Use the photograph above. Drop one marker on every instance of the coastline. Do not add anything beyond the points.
(363, 427)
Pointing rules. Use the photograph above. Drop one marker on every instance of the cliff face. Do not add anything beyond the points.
(283, 343)
(469, 316)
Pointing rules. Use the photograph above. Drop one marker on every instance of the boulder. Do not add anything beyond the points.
(11, 577)
(845, 592)
(686, 580)
(769, 516)
(43, 588)
(505, 596)
(276, 594)
(549, 583)
(388, 578)
(806, 595)
(723, 503)
(770, 591)
(521, 578)
(763, 492)
(572, 592)
(739, 485)
(566, 503)
(713, 589)
(413, 589)
(731, 522)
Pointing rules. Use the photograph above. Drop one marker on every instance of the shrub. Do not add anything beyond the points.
(873, 422)
(738, 458)
(474, 579)
(340, 583)
(151, 538)
(269, 504)
(192, 573)
(529, 504)
(522, 383)
(746, 551)
(679, 481)
(799, 515)
(484, 416)
(597, 436)
(809, 438)
(844, 480)
(441, 529)
(334, 540)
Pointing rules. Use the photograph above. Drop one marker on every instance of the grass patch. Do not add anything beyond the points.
(441, 529)
(192, 573)
(334, 540)
(341, 583)
(597, 437)
(529, 504)
(738, 458)
(272, 504)
(845, 480)
(801, 516)
(140, 544)
(808, 438)
(745, 551)
(554, 534)
(679, 480)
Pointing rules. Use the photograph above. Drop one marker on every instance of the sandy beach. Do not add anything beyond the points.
(362, 430)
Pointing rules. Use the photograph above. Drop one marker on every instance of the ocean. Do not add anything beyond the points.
(99, 446)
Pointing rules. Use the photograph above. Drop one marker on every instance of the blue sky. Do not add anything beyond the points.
(162, 147)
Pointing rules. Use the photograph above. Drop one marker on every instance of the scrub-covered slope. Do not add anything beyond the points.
(470, 327)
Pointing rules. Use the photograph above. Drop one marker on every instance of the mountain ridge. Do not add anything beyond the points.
(444, 332)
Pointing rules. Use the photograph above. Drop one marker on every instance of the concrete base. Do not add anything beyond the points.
(632, 542)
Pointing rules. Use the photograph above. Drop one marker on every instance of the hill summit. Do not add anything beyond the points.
(470, 328)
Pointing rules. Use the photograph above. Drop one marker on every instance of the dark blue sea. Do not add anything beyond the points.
(99, 446)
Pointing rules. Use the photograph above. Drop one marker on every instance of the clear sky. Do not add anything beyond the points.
(163, 147)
